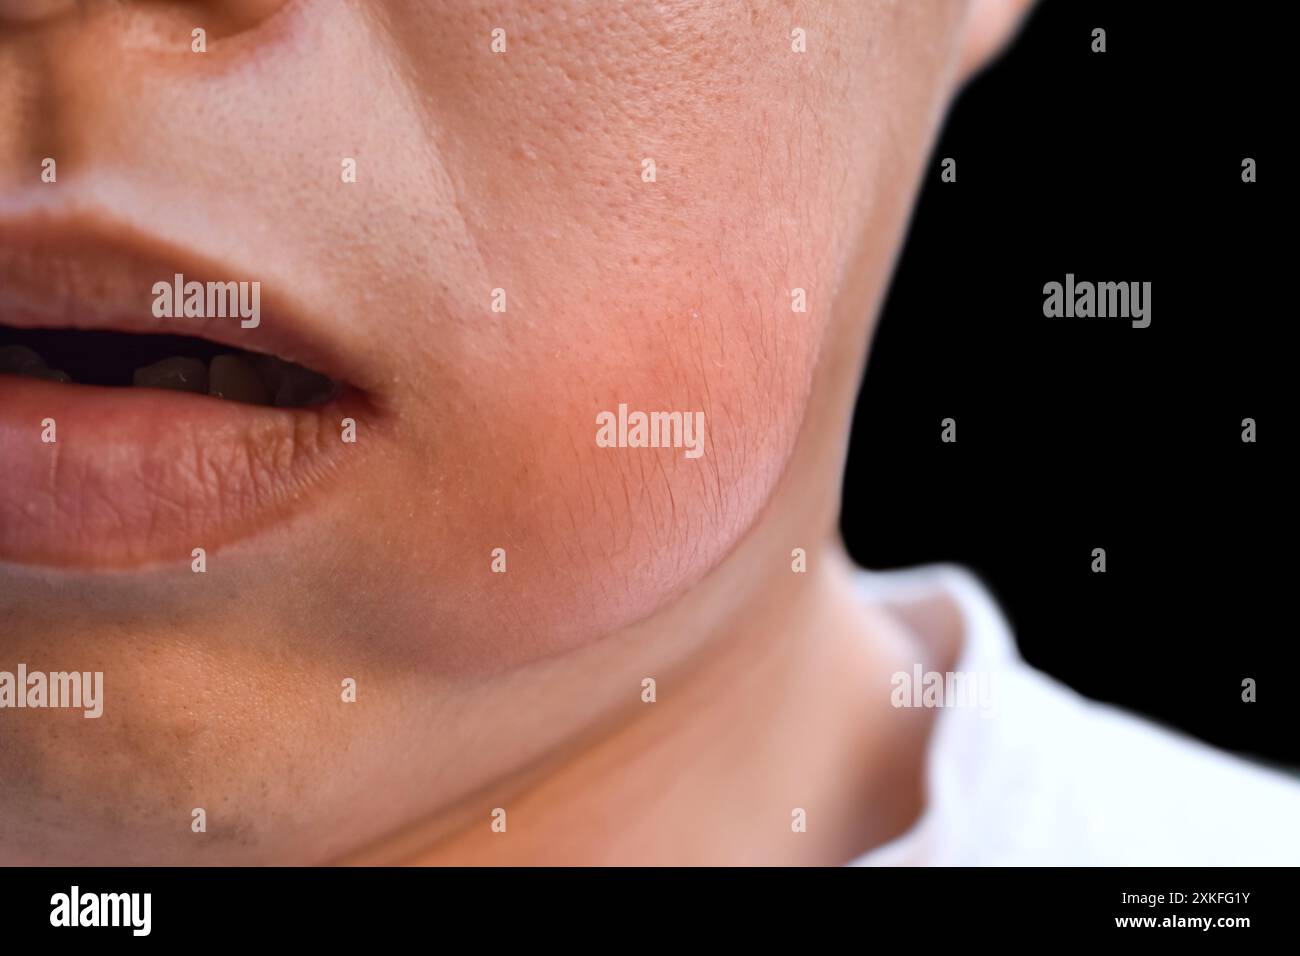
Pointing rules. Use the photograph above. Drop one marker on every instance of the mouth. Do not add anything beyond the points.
(171, 362)
(130, 434)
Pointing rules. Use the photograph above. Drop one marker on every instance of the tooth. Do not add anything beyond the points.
(268, 370)
(17, 359)
(291, 384)
(176, 373)
(301, 386)
(229, 376)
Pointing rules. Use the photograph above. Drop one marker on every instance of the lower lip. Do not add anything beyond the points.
(137, 476)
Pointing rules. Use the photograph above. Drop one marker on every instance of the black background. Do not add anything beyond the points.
(1074, 434)
(799, 910)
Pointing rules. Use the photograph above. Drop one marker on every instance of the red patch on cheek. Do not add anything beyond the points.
(615, 528)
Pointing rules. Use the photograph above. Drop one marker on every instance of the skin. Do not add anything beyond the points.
(522, 171)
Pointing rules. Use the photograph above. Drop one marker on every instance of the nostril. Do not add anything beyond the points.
(249, 12)
(159, 19)
(31, 11)
(227, 17)
(156, 26)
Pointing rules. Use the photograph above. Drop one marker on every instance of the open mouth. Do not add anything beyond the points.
(130, 438)
(173, 362)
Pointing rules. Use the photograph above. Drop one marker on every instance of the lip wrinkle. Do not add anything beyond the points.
(136, 479)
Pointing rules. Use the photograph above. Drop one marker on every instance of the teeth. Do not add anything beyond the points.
(176, 373)
(292, 385)
(229, 376)
(253, 379)
(300, 386)
(268, 369)
(19, 359)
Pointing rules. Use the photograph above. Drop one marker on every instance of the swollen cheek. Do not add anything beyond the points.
(667, 509)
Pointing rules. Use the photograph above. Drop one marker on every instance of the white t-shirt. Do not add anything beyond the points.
(1048, 777)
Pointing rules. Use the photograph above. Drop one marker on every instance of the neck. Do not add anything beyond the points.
(786, 709)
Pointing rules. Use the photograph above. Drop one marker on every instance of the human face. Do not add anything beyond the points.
(501, 269)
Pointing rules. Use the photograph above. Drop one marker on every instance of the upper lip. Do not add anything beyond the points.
(94, 274)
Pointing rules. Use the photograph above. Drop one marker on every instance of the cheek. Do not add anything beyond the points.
(671, 293)
(514, 453)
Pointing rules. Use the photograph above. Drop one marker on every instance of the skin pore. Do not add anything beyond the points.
(477, 171)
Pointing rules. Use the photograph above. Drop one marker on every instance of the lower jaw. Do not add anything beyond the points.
(142, 476)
